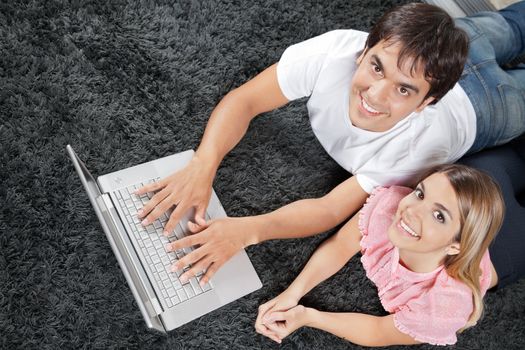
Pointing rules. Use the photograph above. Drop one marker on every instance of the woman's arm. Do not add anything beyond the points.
(361, 329)
(329, 258)
(219, 240)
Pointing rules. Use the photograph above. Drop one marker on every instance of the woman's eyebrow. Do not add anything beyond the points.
(439, 205)
(443, 208)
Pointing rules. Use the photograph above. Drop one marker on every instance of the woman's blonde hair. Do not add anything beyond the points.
(481, 210)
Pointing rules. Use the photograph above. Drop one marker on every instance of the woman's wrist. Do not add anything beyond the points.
(309, 317)
(258, 229)
(295, 291)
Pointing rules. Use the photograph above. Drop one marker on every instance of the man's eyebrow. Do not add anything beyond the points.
(377, 61)
(379, 64)
(440, 206)
(410, 87)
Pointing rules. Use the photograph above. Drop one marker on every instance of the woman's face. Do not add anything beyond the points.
(427, 220)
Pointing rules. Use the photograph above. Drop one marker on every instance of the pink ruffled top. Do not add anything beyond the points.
(430, 307)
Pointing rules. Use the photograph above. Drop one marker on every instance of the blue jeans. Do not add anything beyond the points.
(506, 165)
(497, 93)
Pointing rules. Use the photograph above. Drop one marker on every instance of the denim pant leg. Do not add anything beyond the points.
(506, 165)
(497, 95)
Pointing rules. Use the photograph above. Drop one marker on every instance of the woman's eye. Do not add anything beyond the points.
(439, 216)
(419, 194)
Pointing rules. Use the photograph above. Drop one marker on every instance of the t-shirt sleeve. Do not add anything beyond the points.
(301, 64)
(367, 183)
(436, 316)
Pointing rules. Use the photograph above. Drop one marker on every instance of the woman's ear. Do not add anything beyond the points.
(452, 249)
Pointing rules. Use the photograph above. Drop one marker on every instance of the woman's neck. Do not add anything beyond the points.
(421, 262)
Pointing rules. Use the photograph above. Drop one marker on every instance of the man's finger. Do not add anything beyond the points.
(175, 218)
(152, 187)
(195, 228)
(152, 203)
(200, 214)
(156, 213)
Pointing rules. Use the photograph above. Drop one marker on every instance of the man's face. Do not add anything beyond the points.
(383, 94)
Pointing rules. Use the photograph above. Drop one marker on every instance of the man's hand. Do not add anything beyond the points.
(217, 241)
(187, 188)
(283, 302)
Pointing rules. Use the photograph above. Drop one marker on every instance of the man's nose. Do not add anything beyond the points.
(378, 92)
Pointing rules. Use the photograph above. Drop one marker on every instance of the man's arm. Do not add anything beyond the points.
(191, 187)
(223, 238)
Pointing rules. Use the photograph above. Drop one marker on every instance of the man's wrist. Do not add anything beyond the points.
(207, 160)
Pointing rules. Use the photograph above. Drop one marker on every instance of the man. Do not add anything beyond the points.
(384, 106)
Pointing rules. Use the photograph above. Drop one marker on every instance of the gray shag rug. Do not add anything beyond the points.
(126, 82)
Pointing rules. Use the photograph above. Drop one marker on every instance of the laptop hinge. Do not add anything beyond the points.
(127, 260)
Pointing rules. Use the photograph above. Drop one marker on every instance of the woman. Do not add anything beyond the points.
(425, 249)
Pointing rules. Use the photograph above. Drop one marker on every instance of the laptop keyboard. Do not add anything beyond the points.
(151, 242)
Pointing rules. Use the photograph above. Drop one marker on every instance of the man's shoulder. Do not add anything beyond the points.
(347, 40)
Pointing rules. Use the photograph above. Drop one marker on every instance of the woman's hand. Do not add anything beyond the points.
(186, 188)
(283, 302)
(283, 323)
(215, 243)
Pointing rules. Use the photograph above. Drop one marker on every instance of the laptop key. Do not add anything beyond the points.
(124, 194)
(182, 295)
(189, 291)
(195, 285)
(175, 299)
(177, 284)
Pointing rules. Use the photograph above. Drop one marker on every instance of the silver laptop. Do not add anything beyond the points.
(164, 301)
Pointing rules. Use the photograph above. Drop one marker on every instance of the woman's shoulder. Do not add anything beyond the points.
(435, 315)
(383, 202)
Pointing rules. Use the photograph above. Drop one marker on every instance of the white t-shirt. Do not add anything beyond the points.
(323, 67)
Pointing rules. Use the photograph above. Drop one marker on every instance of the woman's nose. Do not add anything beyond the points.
(413, 210)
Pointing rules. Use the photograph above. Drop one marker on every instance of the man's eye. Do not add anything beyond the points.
(403, 91)
(376, 68)
(439, 216)
(419, 194)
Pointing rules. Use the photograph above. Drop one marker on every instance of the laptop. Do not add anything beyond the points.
(164, 301)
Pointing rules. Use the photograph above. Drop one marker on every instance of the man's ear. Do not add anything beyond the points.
(425, 103)
(452, 249)
(361, 56)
